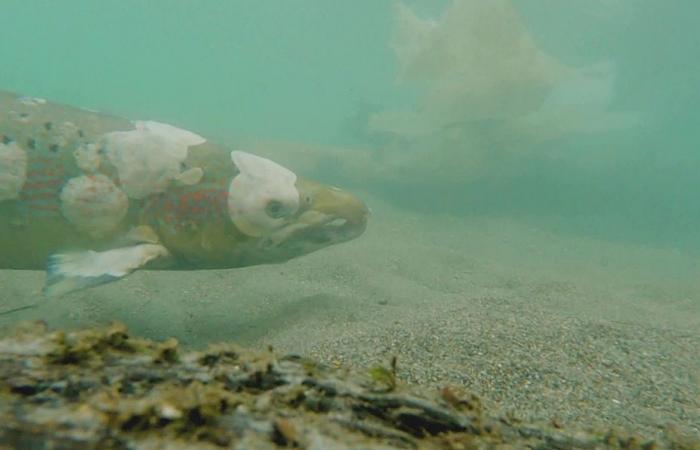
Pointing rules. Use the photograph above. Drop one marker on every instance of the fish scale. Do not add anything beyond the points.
(45, 177)
(196, 205)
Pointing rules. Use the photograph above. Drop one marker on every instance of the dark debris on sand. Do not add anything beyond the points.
(104, 389)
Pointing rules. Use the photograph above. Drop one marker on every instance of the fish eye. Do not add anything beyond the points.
(275, 209)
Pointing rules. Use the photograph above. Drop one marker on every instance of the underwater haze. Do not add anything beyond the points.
(532, 168)
(314, 71)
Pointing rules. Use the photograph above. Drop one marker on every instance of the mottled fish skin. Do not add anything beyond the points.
(32, 226)
(75, 196)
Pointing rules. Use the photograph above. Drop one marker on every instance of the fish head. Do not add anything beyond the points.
(283, 216)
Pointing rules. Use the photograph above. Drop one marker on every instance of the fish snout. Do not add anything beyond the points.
(343, 210)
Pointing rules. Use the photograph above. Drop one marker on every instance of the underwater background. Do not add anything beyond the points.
(313, 71)
(532, 168)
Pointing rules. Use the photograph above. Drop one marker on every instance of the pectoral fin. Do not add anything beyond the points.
(71, 272)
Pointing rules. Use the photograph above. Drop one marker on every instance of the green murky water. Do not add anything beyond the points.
(313, 71)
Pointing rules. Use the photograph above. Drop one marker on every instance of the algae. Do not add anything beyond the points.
(103, 388)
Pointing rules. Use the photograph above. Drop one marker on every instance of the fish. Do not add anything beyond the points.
(92, 197)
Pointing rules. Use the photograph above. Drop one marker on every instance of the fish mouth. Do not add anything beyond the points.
(316, 230)
(332, 230)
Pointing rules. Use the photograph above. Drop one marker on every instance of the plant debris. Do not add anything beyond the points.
(104, 389)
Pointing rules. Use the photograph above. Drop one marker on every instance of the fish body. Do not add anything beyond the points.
(92, 197)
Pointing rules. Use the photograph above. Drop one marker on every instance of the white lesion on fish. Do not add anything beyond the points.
(88, 158)
(262, 196)
(149, 157)
(94, 204)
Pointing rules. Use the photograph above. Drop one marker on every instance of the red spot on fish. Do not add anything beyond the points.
(39, 185)
(40, 193)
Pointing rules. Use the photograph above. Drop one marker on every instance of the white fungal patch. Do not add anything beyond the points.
(87, 157)
(64, 134)
(149, 157)
(13, 170)
(262, 196)
(69, 129)
(32, 101)
(94, 204)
